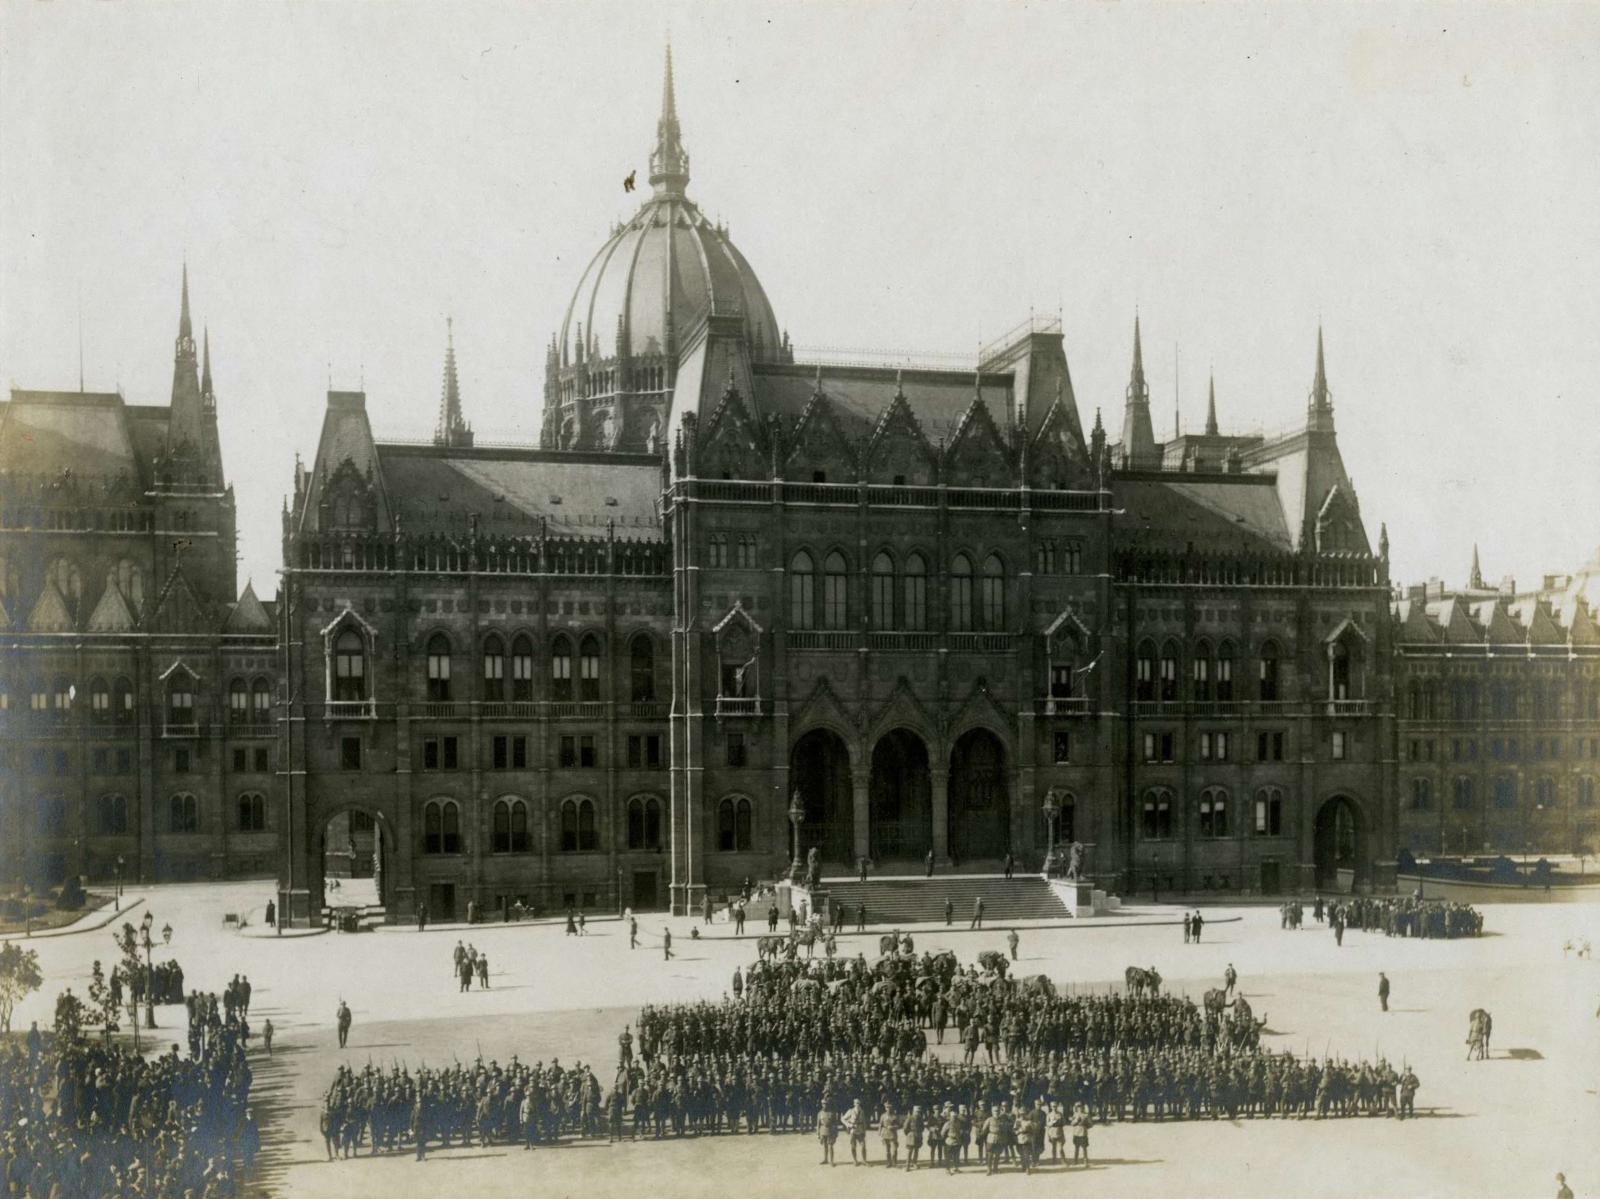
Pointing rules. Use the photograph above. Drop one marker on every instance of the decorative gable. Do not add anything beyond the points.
(1338, 527)
(1582, 630)
(111, 614)
(50, 613)
(899, 450)
(819, 446)
(177, 610)
(248, 616)
(730, 446)
(1056, 458)
(977, 455)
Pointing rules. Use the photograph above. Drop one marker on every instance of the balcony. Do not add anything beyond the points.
(817, 639)
(1216, 707)
(349, 709)
(1062, 705)
(903, 642)
(650, 709)
(980, 643)
(242, 729)
(738, 705)
(567, 709)
(182, 730)
(1350, 707)
(436, 709)
(513, 710)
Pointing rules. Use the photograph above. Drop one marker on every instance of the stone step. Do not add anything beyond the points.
(921, 900)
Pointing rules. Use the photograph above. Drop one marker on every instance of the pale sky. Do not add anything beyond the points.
(1425, 180)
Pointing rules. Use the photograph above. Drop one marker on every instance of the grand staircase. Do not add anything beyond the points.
(915, 899)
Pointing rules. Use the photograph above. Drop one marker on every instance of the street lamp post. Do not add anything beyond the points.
(148, 945)
(121, 863)
(1052, 813)
(797, 817)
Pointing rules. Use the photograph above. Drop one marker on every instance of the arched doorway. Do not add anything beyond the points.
(819, 768)
(901, 797)
(354, 861)
(980, 801)
(1339, 842)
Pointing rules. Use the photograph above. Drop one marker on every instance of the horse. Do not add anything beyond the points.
(888, 943)
(1215, 1001)
(1039, 984)
(1142, 982)
(1479, 1026)
(770, 946)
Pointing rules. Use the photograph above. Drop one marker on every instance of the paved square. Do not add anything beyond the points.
(1491, 1129)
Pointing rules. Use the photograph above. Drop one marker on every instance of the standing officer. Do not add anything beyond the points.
(633, 932)
(666, 944)
(1011, 943)
(861, 917)
(928, 864)
(949, 910)
(344, 1023)
(1008, 864)
(1383, 990)
(977, 913)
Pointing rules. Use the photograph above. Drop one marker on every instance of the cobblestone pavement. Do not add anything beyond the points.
(1493, 1129)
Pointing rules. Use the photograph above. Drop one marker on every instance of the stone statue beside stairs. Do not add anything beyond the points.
(813, 869)
(1074, 861)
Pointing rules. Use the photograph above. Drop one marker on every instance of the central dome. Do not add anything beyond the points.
(663, 270)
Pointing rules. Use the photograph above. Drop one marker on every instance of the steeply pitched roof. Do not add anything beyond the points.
(47, 432)
(247, 616)
(859, 395)
(1230, 511)
(50, 613)
(111, 614)
(176, 609)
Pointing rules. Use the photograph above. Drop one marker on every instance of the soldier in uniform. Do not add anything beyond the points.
(483, 971)
(1081, 1123)
(633, 932)
(855, 1123)
(666, 944)
(343, 1019)
(889, 1130)
(1011, 943)
(977, 913)
(827, 1132)
(1408, 1093)
(1383, 990)
(913, 1131)
(949, 910)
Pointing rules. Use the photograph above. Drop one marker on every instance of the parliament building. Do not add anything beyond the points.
(734, 600)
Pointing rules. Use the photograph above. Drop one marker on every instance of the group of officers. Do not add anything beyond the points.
(1407, 916)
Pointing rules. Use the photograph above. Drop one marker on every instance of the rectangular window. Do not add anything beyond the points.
(1338, 746)
(63, 762)
(1074, 558)
(349, 753)
(519, 753)
(502, 752)
(450, 753)
(240, 756)
(124, 761)
(1205, 747)
(736, 749)
(1063, 746)
(101, 761)
(1219, 743)
(180, 761)
(586, 752)
(430, 753)
(263, 762)
(569, 751)
(635, 751)
(1269, 746)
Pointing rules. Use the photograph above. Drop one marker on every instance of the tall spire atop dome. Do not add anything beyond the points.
(452, 429)
(669, 163)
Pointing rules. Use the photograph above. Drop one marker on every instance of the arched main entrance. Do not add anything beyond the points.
(819, 768)
(353, 864)
(901, 797)
(980, 801)
(1339, 842)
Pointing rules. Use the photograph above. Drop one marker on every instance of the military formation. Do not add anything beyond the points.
(836, 1048)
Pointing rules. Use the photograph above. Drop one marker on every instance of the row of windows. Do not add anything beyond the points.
(1211, 813)
(898, 594)
(63, 573)
(441, 826)
(505, 675)
(1538, 700)
(1541, 793)
(577, 751)
(109, 814)
(1465, 749)
(1213, 746)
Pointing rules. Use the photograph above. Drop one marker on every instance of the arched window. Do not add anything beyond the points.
(252, 812)
(261, 701)
(438, 668)
(1157, 822)
(1544, 793)
(1421, 794)
(1269, 812)
(522, 668)
(1213, 812)
(961, 594)
(589, 669)
(1586, 791)
(994, 594)
(184, 813)
(1505, 792)
(238, 701)
(1200, 670)
(644, 822)
(1169, 673)
(68, 580)
(1224, 672)
(882, 591)
(1464, 799)
(835, 583)
(733, 826)
(510, 826)
(561, 669)
(111, 815)
(914, 597)
(1339, 671)
(441, 826)
(129, 580)
(1267, 674)
(802, 594)
(578, 833)
(494, 668)
(349, 667)
(122, 701)
(642, 669)
(99, 701)
(1144, 673)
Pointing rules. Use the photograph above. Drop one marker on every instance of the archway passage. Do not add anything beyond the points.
(355, 856)
(1339, 842)
(819, 768)
(901, 798)
(980, 801)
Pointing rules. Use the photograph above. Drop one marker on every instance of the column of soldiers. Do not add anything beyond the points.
(1408, 916)
(481, 1104)
(99, 1122)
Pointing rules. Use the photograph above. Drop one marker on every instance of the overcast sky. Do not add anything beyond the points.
(341, 177)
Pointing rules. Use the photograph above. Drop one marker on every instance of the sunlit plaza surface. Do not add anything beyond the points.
(1497, 1128)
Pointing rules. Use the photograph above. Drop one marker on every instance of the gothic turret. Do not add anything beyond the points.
(184, 420)
(669, 162)
(1319, 405)
(1211, 408)
(1138, 436)
(452, 429)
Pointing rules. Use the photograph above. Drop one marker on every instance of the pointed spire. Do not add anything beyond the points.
(669, 163)
(185, 328)
(1475, 580)
(452, 429)
(1321, 398)
(206, 392)
(1138, 436)
(899, 384)
(1136, 383)
(1383, 540)
(1211, 409)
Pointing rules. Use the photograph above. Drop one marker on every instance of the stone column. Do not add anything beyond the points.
(862, 811)
(939, 784)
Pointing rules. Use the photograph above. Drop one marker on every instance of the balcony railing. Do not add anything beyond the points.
(817, 639)
(1349, 707)
(980, 643)
(509, 710)
(349, 709)
(903, 642)
(578, 710)
(435, 709)
(183, 729)
(738, 705)
(1062, 705)
(647, 709)
(252, 728)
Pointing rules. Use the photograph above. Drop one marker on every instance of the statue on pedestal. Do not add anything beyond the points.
(1074, 861)
(813, 868)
